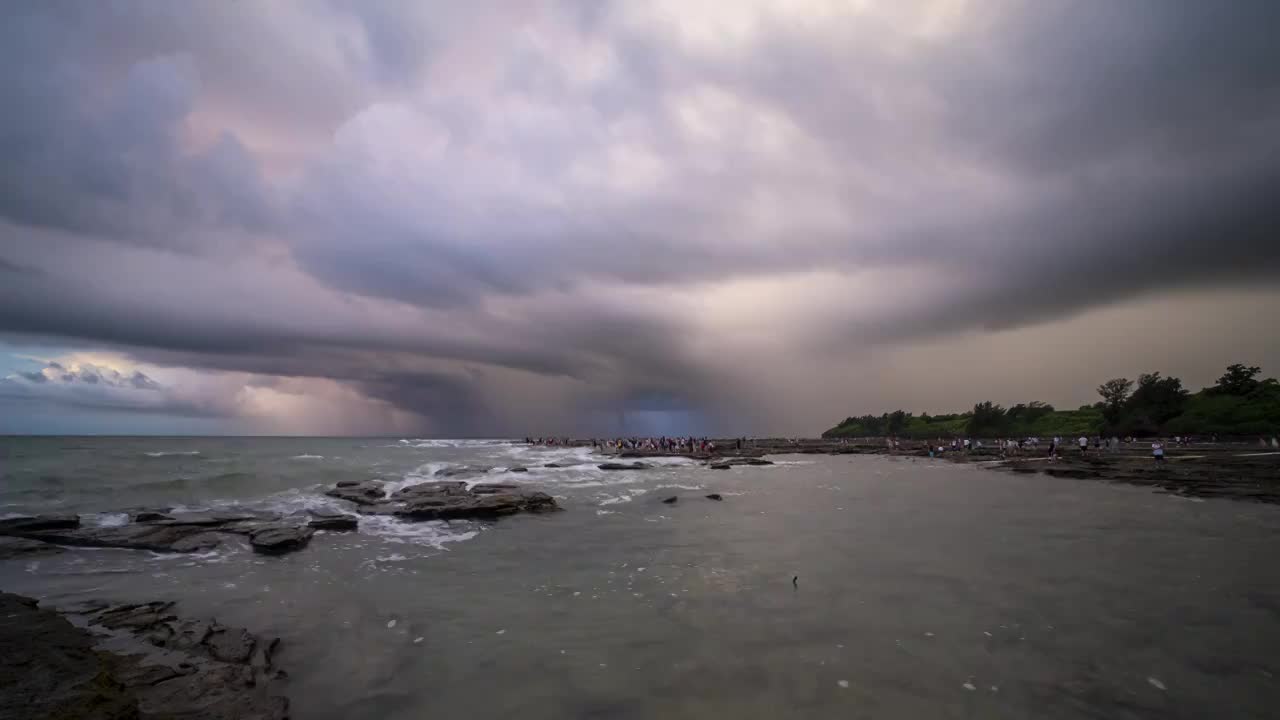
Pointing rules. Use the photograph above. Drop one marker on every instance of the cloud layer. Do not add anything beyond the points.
(528, 217)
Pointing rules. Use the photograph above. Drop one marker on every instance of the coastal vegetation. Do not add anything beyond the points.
(1238, 404)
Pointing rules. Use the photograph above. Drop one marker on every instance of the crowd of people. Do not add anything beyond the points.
(651, 444)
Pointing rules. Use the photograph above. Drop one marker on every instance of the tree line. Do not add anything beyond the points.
(1238, 404)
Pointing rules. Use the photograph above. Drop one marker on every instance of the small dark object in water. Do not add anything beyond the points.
(795, 581)
(714, 496)
(671, 500)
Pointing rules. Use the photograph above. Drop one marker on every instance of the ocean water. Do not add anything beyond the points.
(924, 589)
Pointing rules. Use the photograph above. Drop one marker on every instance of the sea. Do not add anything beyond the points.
(819, 587)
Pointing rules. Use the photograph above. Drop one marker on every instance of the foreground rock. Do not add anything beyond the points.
(48, 668)
(140, 661)
(445, 500)
(158, 532)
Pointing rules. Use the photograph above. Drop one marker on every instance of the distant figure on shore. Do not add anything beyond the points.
(1084, 445)
(1053, 448)
(1275, 443)
(1157, 450)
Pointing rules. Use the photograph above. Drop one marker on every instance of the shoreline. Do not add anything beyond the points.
(1238, 471)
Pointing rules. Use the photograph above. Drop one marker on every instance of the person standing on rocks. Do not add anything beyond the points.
(1157, 451)
(1084, 445)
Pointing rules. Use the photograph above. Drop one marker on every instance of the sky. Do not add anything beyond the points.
(591, 217)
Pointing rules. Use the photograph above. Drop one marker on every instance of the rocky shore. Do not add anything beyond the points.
(161, 530)
(1232, 471)
(132, 662)
(443, 500)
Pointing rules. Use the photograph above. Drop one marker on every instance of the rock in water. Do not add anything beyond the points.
(369, 492)
(333, 521)
(623, 466)
(18, 525)
(671, 500)
(13, 547)
(714, 496)
(280, 540)
(721, 466)
(518, 469)
(452, 499)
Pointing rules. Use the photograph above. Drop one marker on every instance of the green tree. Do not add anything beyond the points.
(988, 418)
(1114, 392)
(1238, 380)
(1156, 400)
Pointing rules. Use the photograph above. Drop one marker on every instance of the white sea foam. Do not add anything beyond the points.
(175, 452)
(444, 443)
(435, 534)
(307, 457)
(105, 519)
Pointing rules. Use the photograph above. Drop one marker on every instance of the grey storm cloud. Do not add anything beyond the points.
(90, 387)
(468, 213)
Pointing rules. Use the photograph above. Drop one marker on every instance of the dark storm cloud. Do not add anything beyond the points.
(426, 202)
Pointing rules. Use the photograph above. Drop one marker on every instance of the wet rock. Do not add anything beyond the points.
(477, 506)
(491, 488)
(721, 466)
(149, 516)
(438, 489)
(138, 536)
(211, 519)
(368, 492)
(138, 617)
(452, 499)
(14, 547)
(333, 521)
(714, 496)
(204, 670)
(48, 668)
(14, 526)
(623, 466)
(281, 539)
(463, 471)
(671, 500)
(518, 469)
(231, 645)
(756, 461)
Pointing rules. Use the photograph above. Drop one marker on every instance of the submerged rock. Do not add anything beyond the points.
(280, 540)
(14, 547)
(714, 496)
(623, 466)
(13, 526)
(184, 533)
(368, 492)
(333, 521)
(721, 466)
(671, 500)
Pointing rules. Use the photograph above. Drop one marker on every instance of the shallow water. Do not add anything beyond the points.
(925, 589)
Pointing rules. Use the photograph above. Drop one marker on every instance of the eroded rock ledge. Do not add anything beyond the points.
(132, 662)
